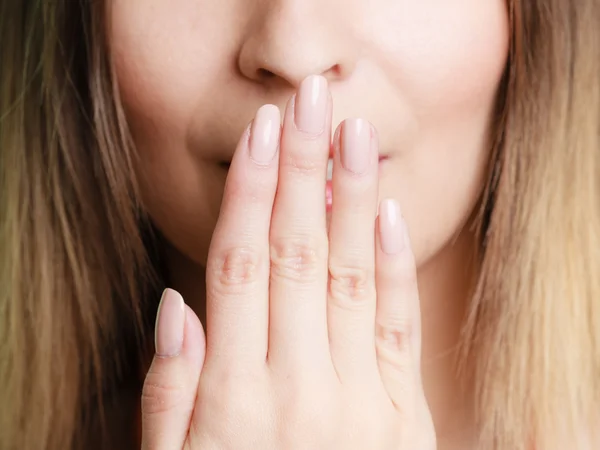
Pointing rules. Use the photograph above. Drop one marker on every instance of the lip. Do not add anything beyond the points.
(328, 183)
(225, 164)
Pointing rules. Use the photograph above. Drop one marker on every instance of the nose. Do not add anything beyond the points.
(289, 40)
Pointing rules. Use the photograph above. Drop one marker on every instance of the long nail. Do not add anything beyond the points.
(170, 322)
(264, 137)
(311, 105)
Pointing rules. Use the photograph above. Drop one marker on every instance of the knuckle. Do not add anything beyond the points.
(296, 258)
(160, 396)
(395, 332)
(301, 164)
(350, 283)
(400, 366)
(236, 268)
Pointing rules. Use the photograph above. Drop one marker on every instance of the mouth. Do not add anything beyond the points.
(226, 164)
(328, 184)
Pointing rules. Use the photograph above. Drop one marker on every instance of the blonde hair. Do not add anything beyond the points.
(76, 269)
(534, 323)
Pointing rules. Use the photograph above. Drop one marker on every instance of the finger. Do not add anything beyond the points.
(398, 322)
(352, 299)
(298, 325)
(169, 391)
(237, 273)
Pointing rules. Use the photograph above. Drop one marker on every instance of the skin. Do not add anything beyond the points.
(425, 74)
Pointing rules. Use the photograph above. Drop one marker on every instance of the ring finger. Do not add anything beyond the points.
(352, 297)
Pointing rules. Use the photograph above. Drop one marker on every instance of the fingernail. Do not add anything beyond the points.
(264, 136)
(170, 321)
(356, 145)
(392, 229)
(311, 105)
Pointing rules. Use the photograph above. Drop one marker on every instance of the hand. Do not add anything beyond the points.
(313, 336)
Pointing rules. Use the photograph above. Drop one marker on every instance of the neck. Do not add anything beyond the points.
(444, 284)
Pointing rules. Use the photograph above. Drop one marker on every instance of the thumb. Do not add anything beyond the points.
(169, 391)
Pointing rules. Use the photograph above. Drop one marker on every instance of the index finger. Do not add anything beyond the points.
(237, 275)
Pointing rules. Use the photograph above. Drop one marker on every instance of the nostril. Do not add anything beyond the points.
(335, 70)
(265, 74)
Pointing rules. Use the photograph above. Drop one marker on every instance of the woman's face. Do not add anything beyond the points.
(193, 72)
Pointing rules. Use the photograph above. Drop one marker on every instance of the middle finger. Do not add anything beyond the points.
(297, 316)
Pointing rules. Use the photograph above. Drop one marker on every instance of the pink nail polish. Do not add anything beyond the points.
(392, 229)
(170, 322)
(311, 105)
(356, 145)
(264, 137)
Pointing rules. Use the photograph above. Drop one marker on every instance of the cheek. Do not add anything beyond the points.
(161, 88)
(163, 63)
(447, 64)
(449, 54)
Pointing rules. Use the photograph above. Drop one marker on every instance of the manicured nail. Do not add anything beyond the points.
(264, 136)
(170, 322)
(392, 229)
(356, 145)
(311, 105)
